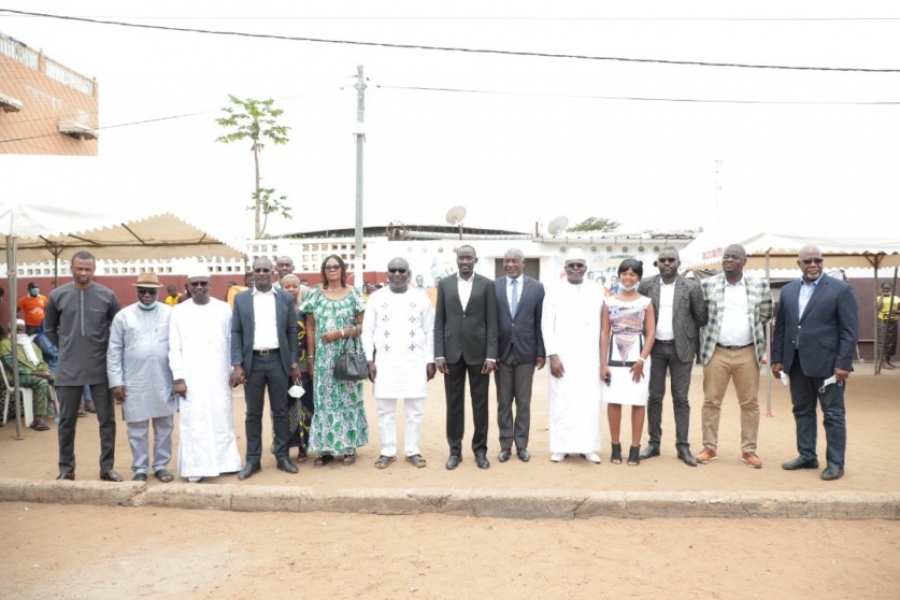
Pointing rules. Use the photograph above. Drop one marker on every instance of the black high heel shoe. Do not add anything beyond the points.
(634, 456)
(616, 457)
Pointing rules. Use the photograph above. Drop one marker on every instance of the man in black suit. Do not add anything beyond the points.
(680, 313)
(520, 345)
(815, 339)
(264, 355)
(465, 342)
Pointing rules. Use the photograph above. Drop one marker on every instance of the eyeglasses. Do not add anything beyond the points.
(144, 291)
(575, 265)
(809, 261)
(199, 283)
(666, 260)
(262, 270)
(400, 271)
(332, 267)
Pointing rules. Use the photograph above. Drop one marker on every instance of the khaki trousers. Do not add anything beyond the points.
(724, 366)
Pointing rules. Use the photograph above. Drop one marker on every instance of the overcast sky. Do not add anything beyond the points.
(537, 138)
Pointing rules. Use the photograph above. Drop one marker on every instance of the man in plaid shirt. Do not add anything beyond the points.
(734, 346)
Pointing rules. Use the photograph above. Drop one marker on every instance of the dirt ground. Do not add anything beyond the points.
(65, 551)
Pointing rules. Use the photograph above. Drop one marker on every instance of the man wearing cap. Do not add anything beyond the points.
(199, 356)
(137, 363)
(32, 306)
(264, 357)
(570, 324)
(680, 313)
(734, 346)
(34, 373)
(77, 321)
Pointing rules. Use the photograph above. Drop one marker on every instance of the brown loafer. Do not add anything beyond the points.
(752, 460)
(707, 455)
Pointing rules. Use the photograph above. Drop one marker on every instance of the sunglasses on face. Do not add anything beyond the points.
(199, 284)
(809, 261)
(145, 291)
(575, 265)
(332, 267)
(262, 270)
(401, 271)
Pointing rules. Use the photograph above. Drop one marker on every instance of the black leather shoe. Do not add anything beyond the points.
(453, 461)
(504, 455)
(800, 463)
(139, 477)
(650, 451)
(110, 475)
(248, 471)
(482, 461)
(164, 476)
(285, 464)
(684, 455)
(832, 472)
(70, 476)
(523, 455)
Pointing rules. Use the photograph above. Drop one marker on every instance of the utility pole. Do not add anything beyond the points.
(360, 139)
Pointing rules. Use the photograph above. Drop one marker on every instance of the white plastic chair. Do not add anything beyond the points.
(27, 397)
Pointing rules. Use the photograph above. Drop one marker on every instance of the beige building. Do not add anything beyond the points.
(45, 107)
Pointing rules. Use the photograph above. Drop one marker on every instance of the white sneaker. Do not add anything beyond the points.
(195, 479)
(593, 457)
(557, 457)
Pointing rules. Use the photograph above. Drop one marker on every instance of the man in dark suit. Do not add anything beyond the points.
(264, 355)
(680, 313)
(815, 339)
(465, 342)
(520, 345)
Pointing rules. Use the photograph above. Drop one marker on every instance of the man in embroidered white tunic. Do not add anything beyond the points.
(137, 363)
(200, 358)
(398, 338)
(570, 324)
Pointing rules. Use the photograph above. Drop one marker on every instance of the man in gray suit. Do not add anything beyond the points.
(680, 312)
(264, 355)
(465, 343)
(520, 345)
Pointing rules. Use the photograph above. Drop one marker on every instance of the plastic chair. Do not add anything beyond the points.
(26, 395)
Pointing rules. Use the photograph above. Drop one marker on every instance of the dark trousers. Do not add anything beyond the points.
(455, 389)
(804, 394)
(664, 357)
(513, 380)
(69, 397)
(267, 373)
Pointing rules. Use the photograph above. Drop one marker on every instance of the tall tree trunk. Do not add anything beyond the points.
(256, 209)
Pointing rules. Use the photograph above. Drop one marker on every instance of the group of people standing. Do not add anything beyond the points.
(282, 340)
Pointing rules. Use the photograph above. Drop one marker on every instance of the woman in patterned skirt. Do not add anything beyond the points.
(334, 314)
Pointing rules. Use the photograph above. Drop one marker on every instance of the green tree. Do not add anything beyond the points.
(257, 121)
(596, 224)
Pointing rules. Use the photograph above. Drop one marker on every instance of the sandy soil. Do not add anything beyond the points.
(64, 551)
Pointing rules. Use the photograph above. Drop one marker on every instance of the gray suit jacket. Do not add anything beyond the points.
(689, 312)
(471, 333)
(243, 328)
(521, 333)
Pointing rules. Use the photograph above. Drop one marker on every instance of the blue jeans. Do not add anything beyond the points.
(804, 396)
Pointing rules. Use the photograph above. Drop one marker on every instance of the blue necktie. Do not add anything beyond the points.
(514, 304)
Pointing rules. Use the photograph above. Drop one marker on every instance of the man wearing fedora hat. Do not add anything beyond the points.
(137, 362)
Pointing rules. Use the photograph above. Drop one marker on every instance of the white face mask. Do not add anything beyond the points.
(625, 288)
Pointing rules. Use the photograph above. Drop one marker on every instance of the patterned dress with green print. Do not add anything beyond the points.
(339, 420)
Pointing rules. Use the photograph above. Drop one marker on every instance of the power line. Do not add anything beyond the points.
(634, 98)
(449, 48)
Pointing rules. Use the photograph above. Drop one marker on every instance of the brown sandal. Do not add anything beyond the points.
(382, 462)
(417, 461)
(322, 460)
(349, 459)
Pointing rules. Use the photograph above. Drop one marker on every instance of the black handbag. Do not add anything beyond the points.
(351, 364)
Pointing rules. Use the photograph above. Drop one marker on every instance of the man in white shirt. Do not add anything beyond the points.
(680, 313)
(734, 346)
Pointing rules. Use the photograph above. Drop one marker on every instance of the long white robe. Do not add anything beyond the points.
(200, 353)
(570, 325)
(138, 358)
(398, 330)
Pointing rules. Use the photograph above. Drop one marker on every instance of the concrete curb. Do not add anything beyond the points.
(483, 502)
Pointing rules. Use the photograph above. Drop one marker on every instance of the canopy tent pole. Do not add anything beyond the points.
(11, 277)
(769, 345)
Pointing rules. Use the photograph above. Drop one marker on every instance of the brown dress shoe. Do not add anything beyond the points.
(707, 455)
(752, 460)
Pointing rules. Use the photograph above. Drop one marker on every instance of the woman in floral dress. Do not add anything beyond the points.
(334, 314)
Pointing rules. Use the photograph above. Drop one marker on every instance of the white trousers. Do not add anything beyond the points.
(387, 425)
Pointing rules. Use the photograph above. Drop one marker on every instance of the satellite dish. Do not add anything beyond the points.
(456, 215)
(558, 225)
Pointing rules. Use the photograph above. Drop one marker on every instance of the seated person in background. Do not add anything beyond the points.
(33, 372)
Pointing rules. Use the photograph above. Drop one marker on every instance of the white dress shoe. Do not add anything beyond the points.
(557, 457)
(195, 479)
(593, 457)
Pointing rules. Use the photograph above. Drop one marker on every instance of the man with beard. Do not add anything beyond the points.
(398, 338)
